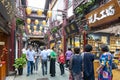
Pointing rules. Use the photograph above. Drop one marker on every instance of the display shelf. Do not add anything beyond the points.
(114, 43)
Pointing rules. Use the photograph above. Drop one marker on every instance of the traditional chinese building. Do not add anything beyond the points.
(7, 33)
(104, 24)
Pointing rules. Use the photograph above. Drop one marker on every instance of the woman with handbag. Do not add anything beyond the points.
(75, 65)
(105, 68)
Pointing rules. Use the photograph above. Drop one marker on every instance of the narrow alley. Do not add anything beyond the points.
(82, 34)
(38, 75)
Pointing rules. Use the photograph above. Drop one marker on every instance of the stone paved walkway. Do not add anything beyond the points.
(35, 75)
(38, 75)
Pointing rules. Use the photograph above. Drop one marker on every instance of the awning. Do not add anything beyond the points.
(113, 29)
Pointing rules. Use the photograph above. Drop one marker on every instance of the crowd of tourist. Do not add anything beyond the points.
(80, 64)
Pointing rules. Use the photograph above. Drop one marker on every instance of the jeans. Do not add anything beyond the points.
(36, 63)
(30, 67)
(62, 68)
(67, 63)
(44, 66)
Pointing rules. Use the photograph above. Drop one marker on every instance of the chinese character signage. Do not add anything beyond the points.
(71, 28)
(106, 13)
(7, 9)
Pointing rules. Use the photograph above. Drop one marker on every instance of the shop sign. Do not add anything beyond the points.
(71, 28)
(8, 5)
(2, 43)
(104, 14)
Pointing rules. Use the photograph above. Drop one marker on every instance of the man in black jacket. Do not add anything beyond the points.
(87, 61)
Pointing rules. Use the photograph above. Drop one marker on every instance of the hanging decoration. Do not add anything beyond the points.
(49, 14)
(39, 12)
(36, 22)
(40, 28)
(44, 22)
(35, 27)
(28, 10)
(40, 32)
(28, 20)
(30, 31)
(28, 26)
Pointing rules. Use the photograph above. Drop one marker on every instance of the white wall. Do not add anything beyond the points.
(70, 9)
(58, 6)
(70, 12)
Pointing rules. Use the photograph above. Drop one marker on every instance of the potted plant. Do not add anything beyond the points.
(19, 64)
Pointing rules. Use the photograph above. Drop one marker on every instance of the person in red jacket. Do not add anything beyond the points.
(61, 59)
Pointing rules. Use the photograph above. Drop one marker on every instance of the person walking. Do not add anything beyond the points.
(61, 60)
(105, 68)
(44, 59)
(53, 56)
(76, 65)
(68, 55)
(30, 56)
(87, 63)
(49, 51)
(37, 55)
(24, 50)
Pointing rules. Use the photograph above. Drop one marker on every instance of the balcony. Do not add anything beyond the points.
(19, 10)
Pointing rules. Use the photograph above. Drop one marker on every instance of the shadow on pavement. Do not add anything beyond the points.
(42, 79)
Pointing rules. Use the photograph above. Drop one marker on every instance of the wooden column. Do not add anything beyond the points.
(12, 46)
(2, 70)
(84, 38)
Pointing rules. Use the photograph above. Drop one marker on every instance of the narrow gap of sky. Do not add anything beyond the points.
(36, 4)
